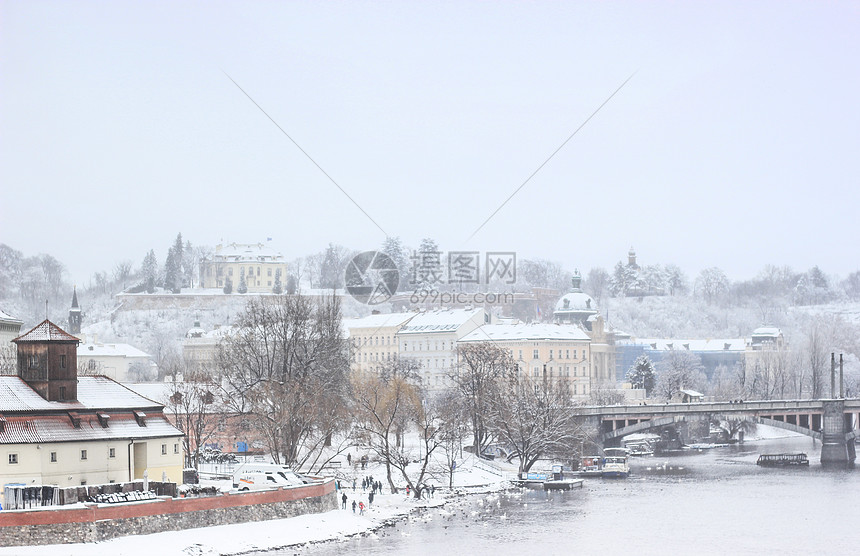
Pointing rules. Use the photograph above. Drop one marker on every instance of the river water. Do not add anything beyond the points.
(715, 501)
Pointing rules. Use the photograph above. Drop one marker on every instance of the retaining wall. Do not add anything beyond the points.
(98, 522)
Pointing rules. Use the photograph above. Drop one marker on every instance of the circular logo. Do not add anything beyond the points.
(371, 277)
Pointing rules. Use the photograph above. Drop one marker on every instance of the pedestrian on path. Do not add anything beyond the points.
(370, 498)
(361, 508)
(344, 500)
(353, 506)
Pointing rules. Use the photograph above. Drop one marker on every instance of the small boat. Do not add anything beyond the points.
(562, 484)
(782, 460)
(640, 450)
(591, 466)
(615, 464)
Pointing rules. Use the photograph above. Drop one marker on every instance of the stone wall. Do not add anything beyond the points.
(99, 522)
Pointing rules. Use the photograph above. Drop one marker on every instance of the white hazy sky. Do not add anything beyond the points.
(736, 144)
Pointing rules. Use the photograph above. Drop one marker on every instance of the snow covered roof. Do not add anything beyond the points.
(46, 331)
(36, 429)
(94, 392)
(712, 345)
(692, 393)
(109, 350)
(441, 320)
(248, 252)
(576, 301)
(522, 331)
(770, 331)
(4, 316)
(381, 320)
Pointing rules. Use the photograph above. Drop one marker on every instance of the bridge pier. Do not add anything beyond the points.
(835, 449)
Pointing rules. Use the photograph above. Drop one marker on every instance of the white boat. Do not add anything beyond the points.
(615, 464)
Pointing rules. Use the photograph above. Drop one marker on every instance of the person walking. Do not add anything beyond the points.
(370, 498)
(353, 506)
(343, 498)
(361, 508)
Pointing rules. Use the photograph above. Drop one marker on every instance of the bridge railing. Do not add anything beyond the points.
(852, 405)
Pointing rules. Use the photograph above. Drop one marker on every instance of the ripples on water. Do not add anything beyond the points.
(710, 502)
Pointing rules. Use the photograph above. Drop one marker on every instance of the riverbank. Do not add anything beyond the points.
(295, 532)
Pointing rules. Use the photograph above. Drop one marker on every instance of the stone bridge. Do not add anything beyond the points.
(836, 422)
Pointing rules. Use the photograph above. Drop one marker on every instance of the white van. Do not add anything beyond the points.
(255, 476)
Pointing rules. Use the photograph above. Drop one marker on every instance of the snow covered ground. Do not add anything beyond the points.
(471, 477)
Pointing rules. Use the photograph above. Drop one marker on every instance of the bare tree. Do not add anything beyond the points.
(533, 418)
(285, 369)
(481, 363)
(195, 410)
(384, 402)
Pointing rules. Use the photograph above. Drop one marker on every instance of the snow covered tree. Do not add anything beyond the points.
(597, 283)
(188, 265)
(332, 265)
(533, 418)
(642, 374)
(712, 285)
(623, 280)
(278, 287)
(393, 247)
(676, 280)
(228, 285)
(679, 370)
(243, 286)
(292, 284)
(149, 270)
(173, 266)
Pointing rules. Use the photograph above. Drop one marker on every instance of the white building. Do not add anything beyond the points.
(57, 428)
(259, 264)
(431, 339)
(543, 352)
(373, 339)
(120, 362)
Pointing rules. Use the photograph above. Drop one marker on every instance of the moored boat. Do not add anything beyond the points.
(615, 465)
(782, 460)
(591, 466)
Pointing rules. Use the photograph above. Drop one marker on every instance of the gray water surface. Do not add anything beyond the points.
(711, 502)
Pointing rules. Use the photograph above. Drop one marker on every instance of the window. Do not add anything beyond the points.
(550, 354)
(536, 372)
(164, 449)
(62, 392)
(230, 271)
(574, 354)
(521, 355)
(269, 271)
(112, 453)
(63, 361)
(33, 361)
(176, 448)
(83, 455)
(535, 355)
(53, 457)
(13, 459)
(567, 354)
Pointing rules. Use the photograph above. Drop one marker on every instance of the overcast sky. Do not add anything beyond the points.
(736, 144)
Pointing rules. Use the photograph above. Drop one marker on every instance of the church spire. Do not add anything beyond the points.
(75, 314)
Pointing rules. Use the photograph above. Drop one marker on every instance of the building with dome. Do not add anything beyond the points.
(578, 308)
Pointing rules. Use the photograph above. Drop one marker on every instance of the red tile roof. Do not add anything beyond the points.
(46, 331)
